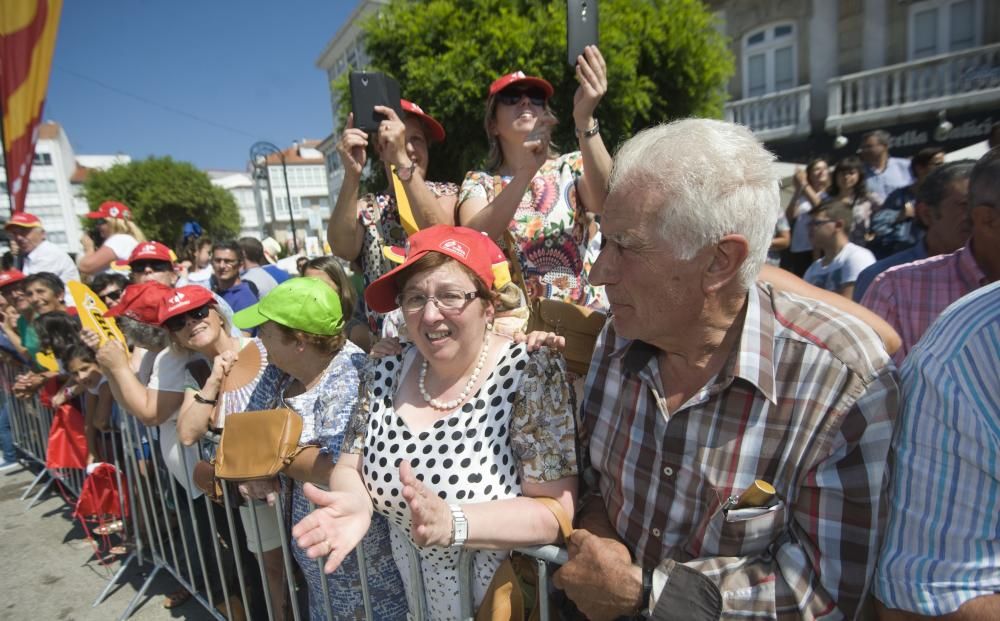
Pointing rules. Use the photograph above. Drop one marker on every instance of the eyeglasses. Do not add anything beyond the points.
(510, 96)
(156, 266)
(815, 223)
(224, 261)
(113, 295)
(446, 301)
(177, 322)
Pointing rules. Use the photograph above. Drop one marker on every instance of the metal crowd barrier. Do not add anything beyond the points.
(165, 530)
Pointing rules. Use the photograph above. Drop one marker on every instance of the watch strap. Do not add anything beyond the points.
(459, 527)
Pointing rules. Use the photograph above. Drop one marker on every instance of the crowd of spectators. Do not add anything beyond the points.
(872, 423)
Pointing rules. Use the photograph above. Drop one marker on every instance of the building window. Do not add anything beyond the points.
(43, 159)
(769, 59)
(942, 26)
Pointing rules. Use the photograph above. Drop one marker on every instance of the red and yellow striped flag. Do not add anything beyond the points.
(27, 43)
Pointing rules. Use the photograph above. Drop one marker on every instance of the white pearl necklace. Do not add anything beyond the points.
(454, 403)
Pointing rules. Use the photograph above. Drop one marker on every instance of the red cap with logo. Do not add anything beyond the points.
(518, 77)
(471, 248)
(141, 302)
(9, 277)
(435, 131)
(111, 209)
(183, 299)
(151, 251)
(23, 219)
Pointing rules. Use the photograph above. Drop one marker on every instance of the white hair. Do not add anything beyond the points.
(717, 179)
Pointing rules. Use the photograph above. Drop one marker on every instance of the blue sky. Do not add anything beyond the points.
(247, 68)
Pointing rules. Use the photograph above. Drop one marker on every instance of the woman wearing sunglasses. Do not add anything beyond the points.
(118, 235)
(546, 200)
(453, 436)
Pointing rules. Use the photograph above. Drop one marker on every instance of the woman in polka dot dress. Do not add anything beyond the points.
(451, 436)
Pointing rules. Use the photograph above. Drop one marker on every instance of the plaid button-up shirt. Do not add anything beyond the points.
(910, 297)
(805, 402)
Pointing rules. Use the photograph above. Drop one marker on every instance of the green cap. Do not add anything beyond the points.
(306, 304)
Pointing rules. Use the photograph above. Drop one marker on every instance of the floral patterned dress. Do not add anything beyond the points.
(556, 240)
(519, 426)
(326, 410)
(379, 215)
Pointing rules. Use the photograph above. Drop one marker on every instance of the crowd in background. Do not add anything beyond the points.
(717, 371)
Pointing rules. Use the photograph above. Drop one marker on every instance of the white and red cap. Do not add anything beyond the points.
(24, 219)
(435, 131)
(111, 209)
(151, 251)
(518, 77)
(183, 300)
(471, 248)
(141, 302)
(11, 276)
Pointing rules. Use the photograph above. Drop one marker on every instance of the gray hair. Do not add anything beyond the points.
(880, 134)
(142, 334)
(984, 181)
(935, 187)
(717, 179)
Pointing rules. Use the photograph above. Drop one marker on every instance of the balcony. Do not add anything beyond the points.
(774, 116)
(956, 81)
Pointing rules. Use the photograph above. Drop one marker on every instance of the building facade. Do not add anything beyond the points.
(240, 185)
(307, 189)
(55, 188)
(811, 71)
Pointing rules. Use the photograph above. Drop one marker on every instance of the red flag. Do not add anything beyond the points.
(67, 442)
(27, 43)
(101, 495)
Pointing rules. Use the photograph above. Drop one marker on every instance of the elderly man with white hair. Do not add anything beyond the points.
(738, 435)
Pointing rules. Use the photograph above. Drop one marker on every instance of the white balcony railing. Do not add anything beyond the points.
(774, 116)
(952, 81)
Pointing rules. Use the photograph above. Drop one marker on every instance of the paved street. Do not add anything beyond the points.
(50, 572)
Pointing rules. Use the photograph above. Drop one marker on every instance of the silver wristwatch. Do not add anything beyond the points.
(406, 172)
(459, 527)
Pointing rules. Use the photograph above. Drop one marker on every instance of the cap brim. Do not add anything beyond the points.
(95, 215)
(532, 81)
(249, 317)
(380, 296)
(33, 225)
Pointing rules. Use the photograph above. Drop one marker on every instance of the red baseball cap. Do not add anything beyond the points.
(11, 276)
(183, 299)
(111, 209)
(151, 251)
(23, 219)
(141, 302)
(435, 131)
(469, 247)
(518, 77)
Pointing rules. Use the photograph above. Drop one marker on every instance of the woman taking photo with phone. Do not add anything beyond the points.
(546, 200)
(359, 228)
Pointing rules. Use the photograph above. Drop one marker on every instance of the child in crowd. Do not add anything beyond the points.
(841, 260)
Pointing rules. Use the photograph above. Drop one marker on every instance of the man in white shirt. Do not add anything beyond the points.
(842, 261)
(36, 254)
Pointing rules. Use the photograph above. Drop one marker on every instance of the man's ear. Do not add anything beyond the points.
(924, 214)
(728, 256)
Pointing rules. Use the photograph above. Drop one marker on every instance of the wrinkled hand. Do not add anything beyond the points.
(430, 515)
(799, 179)
(600, 577)
(592, 74)
(90, 338)
(335, 527)
(27, 384)
(536, 339)
(352, 148)
(261, 489)
(112, 355)
(221, 366)
(391, 143)
(386, 347)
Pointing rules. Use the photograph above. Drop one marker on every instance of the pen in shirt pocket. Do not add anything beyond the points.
(759, 494)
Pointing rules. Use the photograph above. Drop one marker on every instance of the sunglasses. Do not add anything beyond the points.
(156, 266)
(114, 296)
(177, 322)
(510, 96)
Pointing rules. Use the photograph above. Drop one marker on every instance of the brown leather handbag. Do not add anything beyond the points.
(513, 593)
(258, 445)
(579, 325)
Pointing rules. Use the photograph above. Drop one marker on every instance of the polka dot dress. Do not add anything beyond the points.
(466, 457)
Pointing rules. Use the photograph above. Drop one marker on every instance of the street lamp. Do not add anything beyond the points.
(259, 153)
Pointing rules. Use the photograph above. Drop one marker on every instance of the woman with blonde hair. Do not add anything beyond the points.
(119, 236)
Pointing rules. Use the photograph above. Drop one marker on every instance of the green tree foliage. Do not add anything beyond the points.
(163, 194)
(665, 58)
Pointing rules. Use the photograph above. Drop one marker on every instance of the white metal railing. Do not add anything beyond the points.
(775, 115)
(947, 80)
